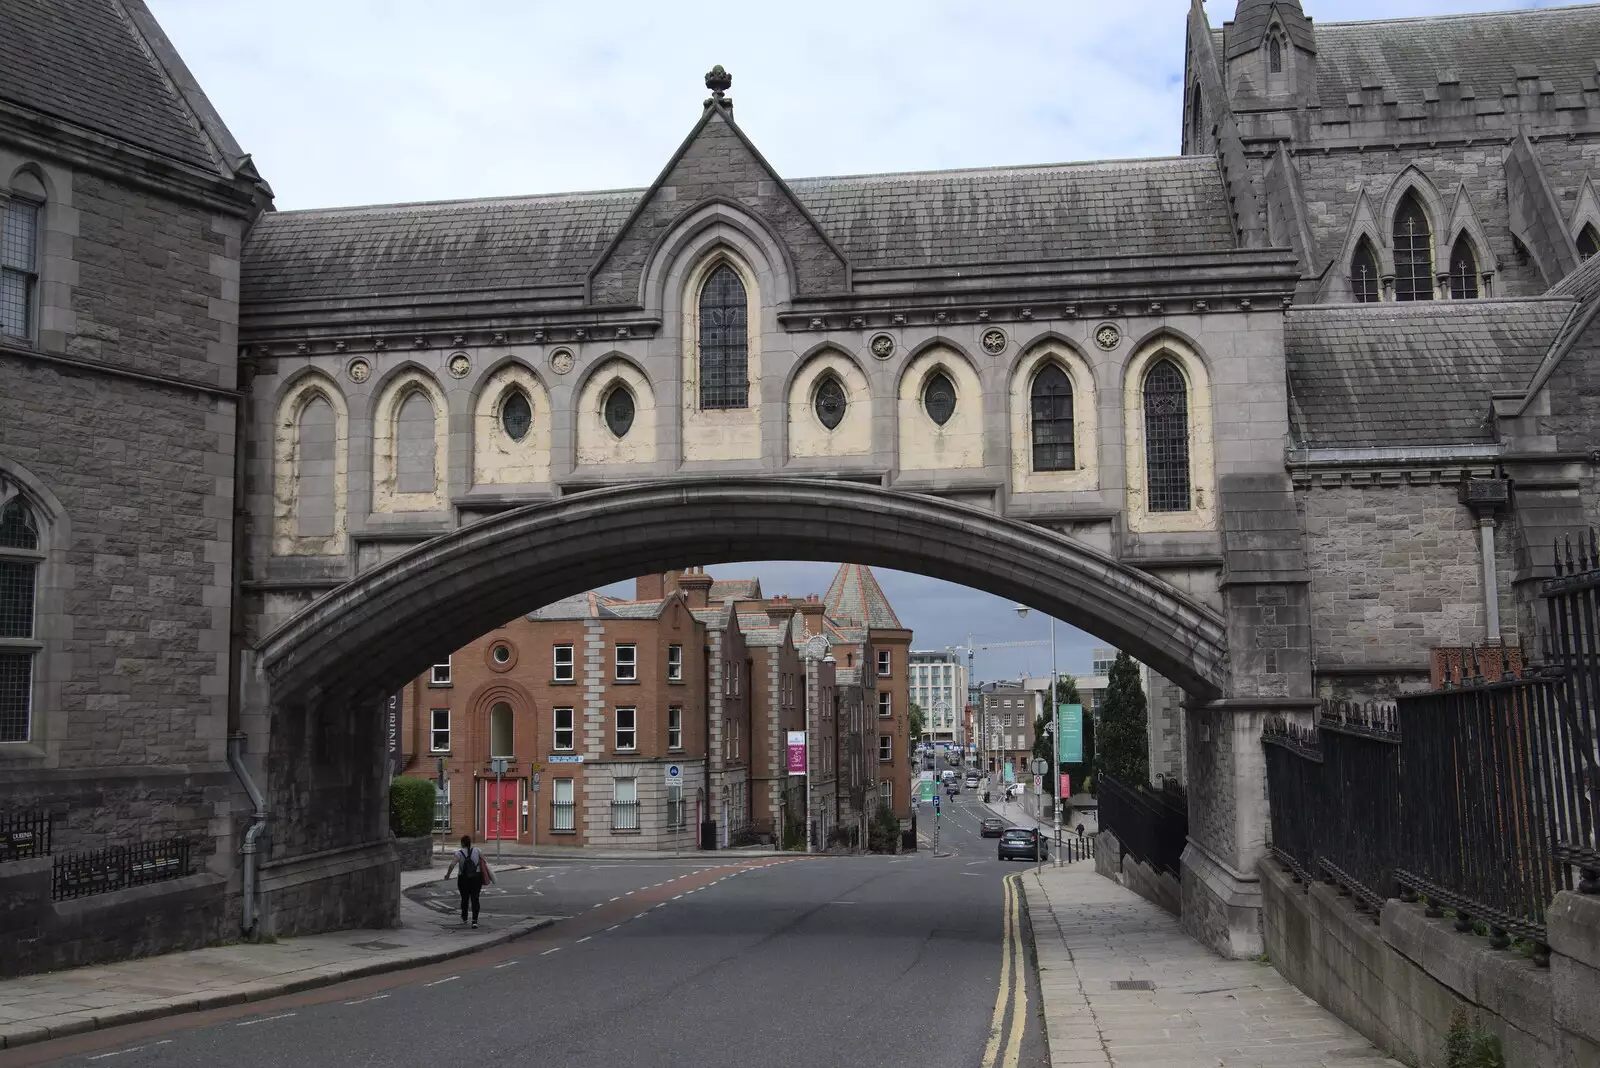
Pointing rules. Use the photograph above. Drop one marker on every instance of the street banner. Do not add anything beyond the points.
(1066, 785)
(928, 789)
(1011, 772)
(797, 752)
(1071, 734)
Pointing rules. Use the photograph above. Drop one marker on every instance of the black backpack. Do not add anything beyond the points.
(469, 863)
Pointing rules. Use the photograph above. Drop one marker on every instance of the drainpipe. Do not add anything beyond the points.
(248, 849)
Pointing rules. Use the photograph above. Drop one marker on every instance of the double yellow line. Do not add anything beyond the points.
(1013, 985)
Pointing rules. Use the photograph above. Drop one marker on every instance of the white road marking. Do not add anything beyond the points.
(375, 997)
(547, 952)
(265, 1019)
(507, 964)
(436, 982)
(585, 938)
(617, 898)
(677, 896)
(120, 1052)
(613, 927)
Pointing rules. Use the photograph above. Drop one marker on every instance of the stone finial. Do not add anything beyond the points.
(718, 81)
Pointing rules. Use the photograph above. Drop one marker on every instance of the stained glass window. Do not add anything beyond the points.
(1463, 270)
(1364, 273)
(1413, 252)
(1274, 55)
(724, 341)
(516, 415)
(619, 410)
(830, 402)
(1052, 420)
(1166, 437)
(939, 398)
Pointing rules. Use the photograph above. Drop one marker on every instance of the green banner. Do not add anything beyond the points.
(1071, 719)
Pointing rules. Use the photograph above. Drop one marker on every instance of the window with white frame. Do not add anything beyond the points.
(627, 730)
(675, 807)
(439, 736)
(439, 674)
(885, 658)
(885, 704)
(19, 266)
(627, 663)
(674, 728)
(564, 732)
(562, 808)
(441, 807)
(885, 747)
(19, 565)
(563, 667)
(625, 805)
(674, 663)
(886, 793)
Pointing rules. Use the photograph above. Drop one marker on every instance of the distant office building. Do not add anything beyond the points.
(1008, 711)
(939, 688)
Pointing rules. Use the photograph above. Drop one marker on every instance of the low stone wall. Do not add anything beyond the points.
(43, 935)
(416, 854)
(334, 890)
(1121, 867)
(1403, 980)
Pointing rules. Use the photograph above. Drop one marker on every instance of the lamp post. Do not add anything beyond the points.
(1055, 738)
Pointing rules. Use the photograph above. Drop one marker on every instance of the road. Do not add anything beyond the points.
(783, 960)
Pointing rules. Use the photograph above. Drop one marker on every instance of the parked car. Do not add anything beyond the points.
(992, 827)
(972, 782)
(1023, 843)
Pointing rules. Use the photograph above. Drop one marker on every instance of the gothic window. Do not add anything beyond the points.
(19, 563)
(830, 401)
(19, 224)
(415, 446)
(1413, 252)
(1274, 55)
(1052, 420)
(1588, 241)
(1197, 135)
(939, 398)
(316, 446)
(724, 341)
(1166, 437)
(1364, 273)
(1463, 270)
(619, 408)
(516, 414)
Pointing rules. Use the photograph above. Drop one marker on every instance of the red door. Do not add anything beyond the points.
(500, 813)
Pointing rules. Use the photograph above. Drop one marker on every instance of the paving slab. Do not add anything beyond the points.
(1124, 986)
(36, 1008)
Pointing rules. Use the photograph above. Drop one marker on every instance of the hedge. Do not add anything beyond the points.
(411, 806)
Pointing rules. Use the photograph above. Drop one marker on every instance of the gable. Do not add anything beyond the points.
(717, 162)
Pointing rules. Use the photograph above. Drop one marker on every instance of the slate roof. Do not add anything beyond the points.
(1058, 211)
(855, 597)
(1483, 52)
(1252, 17)
(84, 62)
(735, 589)
(1411, 374)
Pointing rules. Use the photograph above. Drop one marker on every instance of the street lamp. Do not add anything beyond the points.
(1055, 738)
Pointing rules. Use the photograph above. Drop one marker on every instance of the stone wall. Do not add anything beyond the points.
(414, 854)
(1126, 870)
(1401, 981)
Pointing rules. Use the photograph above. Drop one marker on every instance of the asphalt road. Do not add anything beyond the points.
(880, 961)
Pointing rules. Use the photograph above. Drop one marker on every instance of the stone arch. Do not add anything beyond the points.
(1085, 474)
(498, 458)
(1463, 221)
(367, 636)
(596, 444)
(807, 436)
(289, 460)
(399, 387)
(524, 713)
(923, 444)
(50, 667)
(31, 182)
(1202, 512)
(1412, 180)
(716, 221)
(1585, 210)
(1338, 287)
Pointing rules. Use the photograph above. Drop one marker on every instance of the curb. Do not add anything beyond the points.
(257, 991)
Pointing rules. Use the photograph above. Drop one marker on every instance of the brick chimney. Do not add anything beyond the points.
(811, 612)
(780, 610)
(696, 586)
(655, 587)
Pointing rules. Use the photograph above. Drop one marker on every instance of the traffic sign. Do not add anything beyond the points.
(674, 775)
(499, 764)
(1041, 766)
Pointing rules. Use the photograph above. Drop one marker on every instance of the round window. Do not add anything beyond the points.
(939, 398)
(830, 402)
(501, 654)
(516, 415)
(619, 411)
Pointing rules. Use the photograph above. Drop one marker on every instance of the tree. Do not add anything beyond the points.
(1122, 747)
(1066, 694)
(914, 723)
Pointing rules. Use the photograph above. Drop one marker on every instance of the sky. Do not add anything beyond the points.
(377, 101)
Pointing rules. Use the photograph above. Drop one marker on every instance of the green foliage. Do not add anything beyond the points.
(883, 834)
(914, 723)
(1468, 1045)
(1122, 744)
(411, 803)
(1066, 694)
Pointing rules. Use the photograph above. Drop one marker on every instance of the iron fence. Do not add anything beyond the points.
(1074, 848)
(1572, 603)
(100, 871)
(24, 834)
(1151, 824)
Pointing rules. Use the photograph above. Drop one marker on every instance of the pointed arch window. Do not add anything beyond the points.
(1196, 121)
(939, 398)
(830, 401)
(1588, 241)
(19, 564)
(724, 341)
(1413, 251)
(618, 409)
(1051, 398)
(1274, 55)
(1364, 273)
(1166, 437)
(1463, 270)
(516, 414)
(316, 467)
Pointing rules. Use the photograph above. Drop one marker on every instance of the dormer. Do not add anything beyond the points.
(1270, 50)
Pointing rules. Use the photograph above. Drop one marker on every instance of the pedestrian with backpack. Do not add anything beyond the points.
(474, 874)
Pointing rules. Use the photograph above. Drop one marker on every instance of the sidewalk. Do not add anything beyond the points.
(39, 1007)
(1124, 986)
(515, 854)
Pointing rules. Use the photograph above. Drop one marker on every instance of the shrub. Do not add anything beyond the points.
(1468, 1045)
(883, 834)
(411, 806)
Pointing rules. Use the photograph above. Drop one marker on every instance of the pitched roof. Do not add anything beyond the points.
(1057, 211)
(1482, 51)
(1252, 17)
(854, 596)
(735, 589)
(89, 63)
(1413, 373)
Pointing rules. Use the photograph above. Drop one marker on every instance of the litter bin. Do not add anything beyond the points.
(708, 834)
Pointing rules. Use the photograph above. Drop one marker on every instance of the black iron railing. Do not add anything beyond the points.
(1075, 847)
(1572, 603)
(99, 871)
(1151, 824)
(24, 834)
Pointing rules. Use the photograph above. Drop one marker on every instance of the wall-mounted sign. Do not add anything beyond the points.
(391, 722)
(568, 759)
